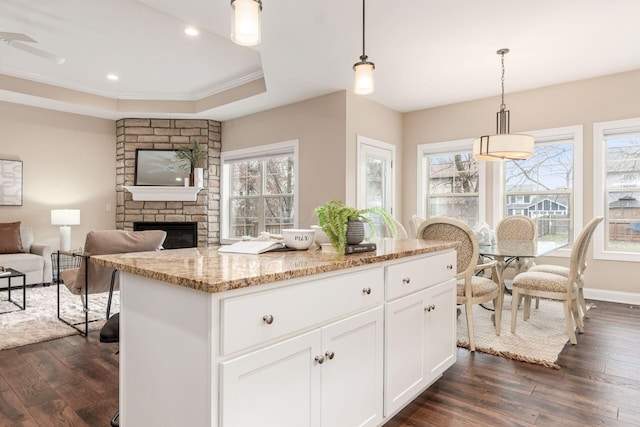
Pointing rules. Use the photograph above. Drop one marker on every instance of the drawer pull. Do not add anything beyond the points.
(366, 291)
(450, 267)
(329, 355)
(406, 280)
(320, 360)
(268, 319)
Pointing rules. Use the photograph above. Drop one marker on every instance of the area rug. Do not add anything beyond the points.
(39, 322)
(538, 340)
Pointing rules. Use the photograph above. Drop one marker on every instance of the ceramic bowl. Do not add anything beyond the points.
(298, 238)
(321, 236)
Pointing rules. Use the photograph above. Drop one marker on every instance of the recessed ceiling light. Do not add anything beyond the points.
(112, 77)
(191, 31)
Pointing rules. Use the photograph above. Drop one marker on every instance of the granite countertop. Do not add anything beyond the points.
(206, 270)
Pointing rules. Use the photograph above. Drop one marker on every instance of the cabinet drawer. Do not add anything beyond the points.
(411, 276)
(252, 319)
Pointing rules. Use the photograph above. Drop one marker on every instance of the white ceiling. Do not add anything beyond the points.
(427, 53)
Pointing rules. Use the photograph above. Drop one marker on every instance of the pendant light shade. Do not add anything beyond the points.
(364, 83)
(503, 145)
(245, 22)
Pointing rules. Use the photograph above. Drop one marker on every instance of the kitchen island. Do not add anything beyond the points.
(285, 338)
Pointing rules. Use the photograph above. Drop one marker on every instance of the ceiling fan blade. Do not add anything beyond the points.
(17, 37)
(41, 53)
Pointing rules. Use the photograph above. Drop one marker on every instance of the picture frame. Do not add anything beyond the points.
(158, 167)
(10, 183)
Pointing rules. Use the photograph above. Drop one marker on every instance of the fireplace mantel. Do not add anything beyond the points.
(163, 194)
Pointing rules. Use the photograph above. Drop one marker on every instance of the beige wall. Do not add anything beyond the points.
(367, 118)
(577, 103)
(68, 162)
(319, 126)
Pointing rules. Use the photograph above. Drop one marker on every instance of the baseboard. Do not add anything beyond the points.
(612, 296)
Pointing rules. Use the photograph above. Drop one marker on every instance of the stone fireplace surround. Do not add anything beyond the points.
(134, 133)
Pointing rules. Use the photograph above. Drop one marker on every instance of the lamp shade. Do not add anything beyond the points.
(364, 83)
(245, 22)
(65, 216)
(503, 146)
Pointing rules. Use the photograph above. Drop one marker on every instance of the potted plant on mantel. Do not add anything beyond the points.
(196, 158)
(345, 225)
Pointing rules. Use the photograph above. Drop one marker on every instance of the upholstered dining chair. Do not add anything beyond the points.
(565, 271)
(401, 232)
(553, 286)
(91, 278)
(518, 227)
(416, 222)
(471, 289)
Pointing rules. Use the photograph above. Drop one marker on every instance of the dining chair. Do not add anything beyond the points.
(565, 271)
(518, 227)
(471, 288)
(91, 278)
(416, 222)
(556, 287)
(401, 232)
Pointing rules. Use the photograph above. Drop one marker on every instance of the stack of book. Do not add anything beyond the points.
(362, 247)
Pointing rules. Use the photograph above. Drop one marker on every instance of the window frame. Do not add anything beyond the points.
(261, 152)
(601, 130)
(546, 136)
(448, 147)
(369, 145)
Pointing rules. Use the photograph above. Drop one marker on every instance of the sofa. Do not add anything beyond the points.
(18, 251)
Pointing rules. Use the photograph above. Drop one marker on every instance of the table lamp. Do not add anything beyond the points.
(64, 218)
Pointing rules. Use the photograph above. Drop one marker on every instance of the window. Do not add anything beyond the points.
(450, 181)
(547, 187)
(259, 190)
(617, 189)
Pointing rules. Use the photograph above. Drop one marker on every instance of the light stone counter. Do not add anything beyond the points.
(206, 270)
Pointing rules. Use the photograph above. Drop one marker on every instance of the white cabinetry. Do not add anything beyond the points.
(419, 329)
(329, 377)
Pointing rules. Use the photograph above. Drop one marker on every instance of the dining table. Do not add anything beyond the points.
(509, 251)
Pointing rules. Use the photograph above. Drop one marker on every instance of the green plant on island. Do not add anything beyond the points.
(334, 215)
(194, 157)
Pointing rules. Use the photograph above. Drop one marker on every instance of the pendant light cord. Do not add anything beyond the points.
(502, 105)
(363, 57)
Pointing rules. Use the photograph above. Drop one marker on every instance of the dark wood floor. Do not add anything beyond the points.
(74, 382)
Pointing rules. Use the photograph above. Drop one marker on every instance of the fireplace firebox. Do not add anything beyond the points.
(179, 234)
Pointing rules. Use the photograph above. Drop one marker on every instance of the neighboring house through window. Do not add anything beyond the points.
(259, 190)
(616, 168)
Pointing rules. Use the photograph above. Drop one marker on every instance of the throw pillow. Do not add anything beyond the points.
(10, 240)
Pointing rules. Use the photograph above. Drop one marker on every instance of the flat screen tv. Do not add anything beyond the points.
(160, 167)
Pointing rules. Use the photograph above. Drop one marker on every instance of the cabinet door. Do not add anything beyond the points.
(405, 350)
(352, 371)
(275, 386)
(441, 328)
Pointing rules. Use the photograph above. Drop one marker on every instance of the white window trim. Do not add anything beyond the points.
(542, 136)
(362, 143)
(261, 151)
(446, 147)
(600, 130)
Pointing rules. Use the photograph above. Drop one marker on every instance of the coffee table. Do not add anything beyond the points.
(12, 274)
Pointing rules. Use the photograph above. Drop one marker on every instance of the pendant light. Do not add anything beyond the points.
(363, 69)
(245, 22)
(503, 145)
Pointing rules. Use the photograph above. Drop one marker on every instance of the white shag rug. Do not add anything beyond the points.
(538, 340)
(39, 322)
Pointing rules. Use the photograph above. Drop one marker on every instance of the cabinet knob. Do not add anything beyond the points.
(427, 308)
(366, 291)
(450, 267)
(406, 280)
(329, 355)
(268, 319)
(433, 307)
(320, 360)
